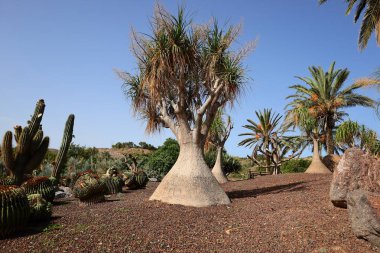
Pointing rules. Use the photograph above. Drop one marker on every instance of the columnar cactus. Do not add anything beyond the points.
(31, 146)
(40, 185)
(14, 209)
(89, 189)
(40, 209)
(66, 141)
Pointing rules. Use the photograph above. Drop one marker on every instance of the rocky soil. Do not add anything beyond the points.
(283, 213)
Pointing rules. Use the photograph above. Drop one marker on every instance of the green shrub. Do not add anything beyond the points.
(162, 160)
(295, 165)
(229, 165)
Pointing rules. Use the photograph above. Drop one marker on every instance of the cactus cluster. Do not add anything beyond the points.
(31, 146)
(15, 209)
(136, 180)
(40, 185)
(89, 189)
(40, 209)
(7, 181)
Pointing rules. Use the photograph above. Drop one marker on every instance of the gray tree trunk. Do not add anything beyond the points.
(317, 165)
(217, 170)
(190, 181)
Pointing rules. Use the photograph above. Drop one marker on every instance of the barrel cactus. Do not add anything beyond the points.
(89, 189)
(7, 181)
(114, 184)
(40, 209)
(15, 209)
(41, 185)
(136, 180)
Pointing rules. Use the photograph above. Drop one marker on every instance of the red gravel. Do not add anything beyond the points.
(284, 213)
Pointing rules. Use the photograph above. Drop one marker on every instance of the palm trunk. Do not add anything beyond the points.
(190, 181)
(329, 139)
(217, 170)
(317, 165)
(268, 168)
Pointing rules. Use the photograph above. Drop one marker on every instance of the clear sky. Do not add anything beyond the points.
(65, 53)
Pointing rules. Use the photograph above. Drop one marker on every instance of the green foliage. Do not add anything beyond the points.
(40, 209)
(296, 165)
(81, 152)
(162, 160)
(229, 163)
(145, 145)
(129, 144)
(14, 209)
(40, 185)
(89, 189)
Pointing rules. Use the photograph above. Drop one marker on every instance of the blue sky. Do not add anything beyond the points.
(65, 53)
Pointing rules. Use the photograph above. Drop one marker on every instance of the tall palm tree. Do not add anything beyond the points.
(371, 19)
(324, 96)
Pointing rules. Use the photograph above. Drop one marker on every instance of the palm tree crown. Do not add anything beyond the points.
(324, 96)
(371, 18)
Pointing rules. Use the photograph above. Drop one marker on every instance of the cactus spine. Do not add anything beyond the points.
(40, 209)
(66, 141)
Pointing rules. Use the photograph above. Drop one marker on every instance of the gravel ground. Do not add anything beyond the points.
(283, 213)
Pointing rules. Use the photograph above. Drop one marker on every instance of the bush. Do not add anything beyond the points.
(163, 159)
(295, 165)
(229, 165)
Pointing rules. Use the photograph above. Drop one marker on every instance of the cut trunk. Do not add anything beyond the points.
(217, 170)
(190, 181)
(317, 165)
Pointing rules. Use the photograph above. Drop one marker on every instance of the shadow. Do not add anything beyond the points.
(62, 203)
(34, 227)
(267, 190)
(111, 200)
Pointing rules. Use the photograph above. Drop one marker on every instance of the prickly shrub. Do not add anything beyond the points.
(41, 185)
(89, 189)
(14, 209)
(40, 209)
(136, 180)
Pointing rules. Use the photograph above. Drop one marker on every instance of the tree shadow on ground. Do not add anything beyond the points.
(267, 190)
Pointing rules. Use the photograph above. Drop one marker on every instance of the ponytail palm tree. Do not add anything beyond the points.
(185, 74)
(371, 19)
(324, 96)
(219, 132)
(310, 128)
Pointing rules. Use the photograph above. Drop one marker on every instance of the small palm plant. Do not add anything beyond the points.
(266, 138)
(350, 134)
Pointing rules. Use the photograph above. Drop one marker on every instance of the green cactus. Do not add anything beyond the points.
(40, 209)
(40, 185)
(136, 180)
(66, 141)
(89, 189)
(7, 181)
(31, 147)
(113, 184)
(15, 209)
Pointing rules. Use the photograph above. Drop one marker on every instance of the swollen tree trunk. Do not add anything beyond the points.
(217, 170)
(317, 165)
(190, 181)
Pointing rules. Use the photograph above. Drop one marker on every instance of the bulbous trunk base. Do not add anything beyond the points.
(190, 182)
(217, 170)
(317, 165)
